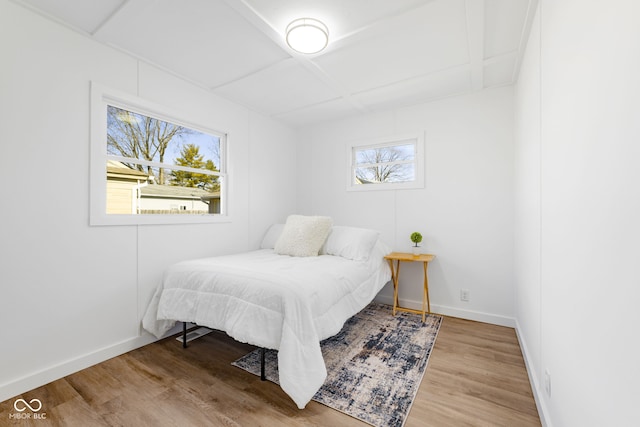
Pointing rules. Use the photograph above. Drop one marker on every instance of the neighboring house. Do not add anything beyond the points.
(130, 192)
(162, 199)
(122, 185)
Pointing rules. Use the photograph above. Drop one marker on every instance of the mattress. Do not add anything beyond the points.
(273, 301)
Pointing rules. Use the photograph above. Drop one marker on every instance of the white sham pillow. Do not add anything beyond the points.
(303, 235)
(350, 242)
(271, 236)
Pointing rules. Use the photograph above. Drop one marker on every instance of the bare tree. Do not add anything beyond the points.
(141, 137)
(384, 164)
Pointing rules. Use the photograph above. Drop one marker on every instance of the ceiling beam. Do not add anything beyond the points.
(261, 24)
(524, 37)
(378, 26)
(106, 20)
(475, 41)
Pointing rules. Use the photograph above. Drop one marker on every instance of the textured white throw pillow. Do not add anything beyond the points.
(303, 235)
(350, 242)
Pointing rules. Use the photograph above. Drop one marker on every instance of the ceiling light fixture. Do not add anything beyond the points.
(307, 35)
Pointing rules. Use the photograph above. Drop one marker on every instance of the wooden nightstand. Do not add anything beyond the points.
(395, 271)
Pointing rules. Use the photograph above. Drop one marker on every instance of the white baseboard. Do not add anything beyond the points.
(478, 316)
(533, 380)
(39, 378)
(495, 320)
(55, 372)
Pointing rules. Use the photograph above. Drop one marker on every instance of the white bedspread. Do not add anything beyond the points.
(272, 301)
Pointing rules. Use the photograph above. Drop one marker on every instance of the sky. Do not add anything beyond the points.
(209, 144)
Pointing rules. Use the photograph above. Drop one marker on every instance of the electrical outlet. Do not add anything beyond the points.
(547, 382)
(464, 294)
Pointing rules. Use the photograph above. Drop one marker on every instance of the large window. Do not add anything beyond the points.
(390, 163)
(149, 166)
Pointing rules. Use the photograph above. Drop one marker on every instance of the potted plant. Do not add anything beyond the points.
(416, 238)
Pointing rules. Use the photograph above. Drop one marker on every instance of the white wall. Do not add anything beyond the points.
(527, 211)
(72, 295)
(578, 208)
(465, 211)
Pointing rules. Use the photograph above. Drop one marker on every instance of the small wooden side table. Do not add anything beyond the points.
(395, 271)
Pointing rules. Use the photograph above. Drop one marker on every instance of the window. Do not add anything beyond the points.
(390, 163)
(150, 167)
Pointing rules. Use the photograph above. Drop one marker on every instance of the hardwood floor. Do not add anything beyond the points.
(475, 377)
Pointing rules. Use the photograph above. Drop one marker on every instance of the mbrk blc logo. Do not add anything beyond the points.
(21, 406)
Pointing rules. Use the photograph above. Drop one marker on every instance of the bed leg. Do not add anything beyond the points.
(262, 375)
(184, 334)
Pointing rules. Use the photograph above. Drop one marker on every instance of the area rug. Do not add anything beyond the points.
(374, 365)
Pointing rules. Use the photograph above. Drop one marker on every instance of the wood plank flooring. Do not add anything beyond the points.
(475, 377)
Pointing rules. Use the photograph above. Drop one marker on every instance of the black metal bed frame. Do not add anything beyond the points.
(262, 351)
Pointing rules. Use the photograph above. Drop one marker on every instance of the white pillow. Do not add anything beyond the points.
(351, 242)
(272, 235)
(303, 235)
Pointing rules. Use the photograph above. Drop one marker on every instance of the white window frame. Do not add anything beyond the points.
(101, 97)
(419, 161)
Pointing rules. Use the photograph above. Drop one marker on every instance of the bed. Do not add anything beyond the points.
(296, 290)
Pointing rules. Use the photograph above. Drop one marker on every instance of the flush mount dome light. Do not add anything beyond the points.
(307, 35)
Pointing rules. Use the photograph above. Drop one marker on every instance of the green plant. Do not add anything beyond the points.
(416, 238)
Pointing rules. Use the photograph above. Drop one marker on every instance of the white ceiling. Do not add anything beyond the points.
(382, 53)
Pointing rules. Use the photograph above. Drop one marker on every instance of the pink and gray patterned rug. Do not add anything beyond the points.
(374, 365)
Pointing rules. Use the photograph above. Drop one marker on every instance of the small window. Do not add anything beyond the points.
(150, 167)
(392, 163)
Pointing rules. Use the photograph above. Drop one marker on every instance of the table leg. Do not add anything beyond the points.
(426, 290)
(424, 303)
(394, 278)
